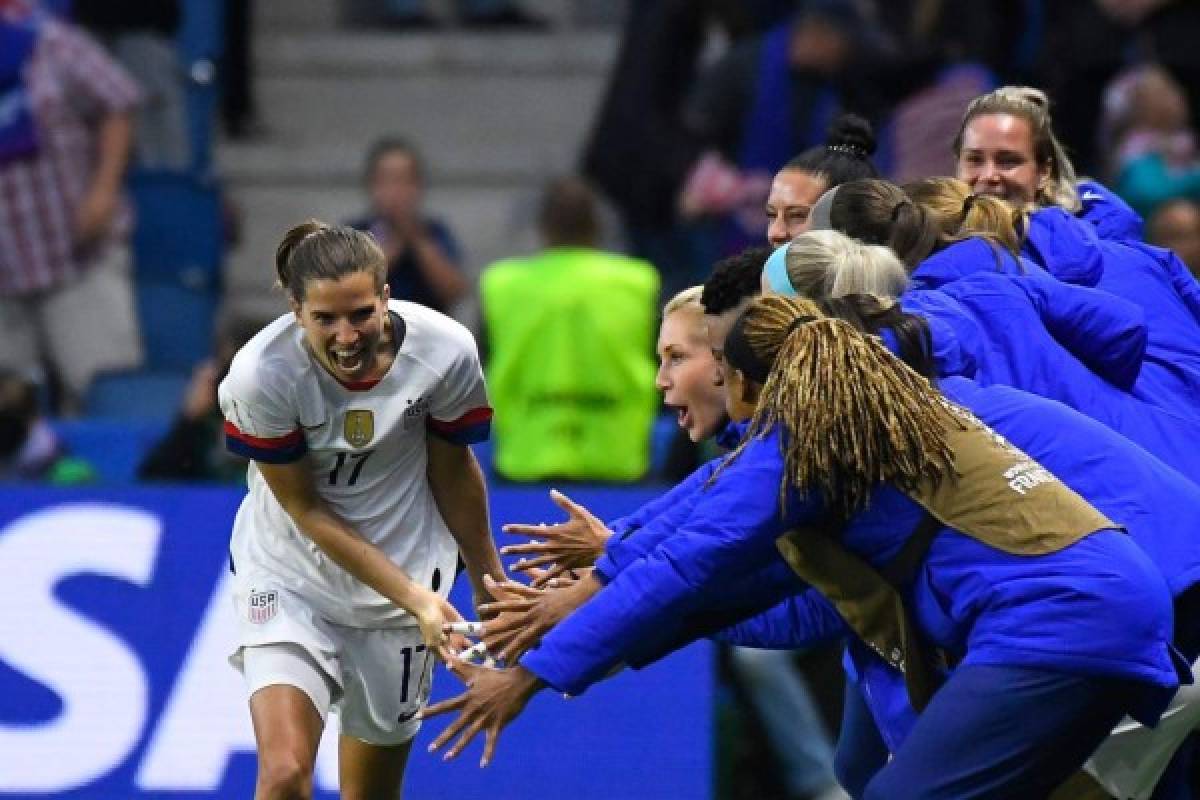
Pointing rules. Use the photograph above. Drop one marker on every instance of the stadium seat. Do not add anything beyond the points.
(177, 246)
(177, 326)
(136, 396)
(114, 448)
(179, 234)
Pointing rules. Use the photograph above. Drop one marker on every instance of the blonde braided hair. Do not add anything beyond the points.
(851, 414)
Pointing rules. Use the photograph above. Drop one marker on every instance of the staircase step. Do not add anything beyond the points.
(316, 15)
(344, 54)
(293, 15)
(487, 130)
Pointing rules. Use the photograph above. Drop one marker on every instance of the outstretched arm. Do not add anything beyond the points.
(293, 487)
(460, 492)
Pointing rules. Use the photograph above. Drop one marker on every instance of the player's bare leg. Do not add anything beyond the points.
(287, 728)
(370, 772)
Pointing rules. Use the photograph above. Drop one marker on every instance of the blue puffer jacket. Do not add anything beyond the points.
(638, 533)
(968, 257)
(1151, 277)
(1098, 607)
(1064, 246)
(1075, 345)
(1115, 219)
(1158, 506)
(1032, 329)
(1111, 216)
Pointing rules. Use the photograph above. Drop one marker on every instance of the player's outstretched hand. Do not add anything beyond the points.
(525, 614)
(434, 616)
(494, 697)
(578, 542)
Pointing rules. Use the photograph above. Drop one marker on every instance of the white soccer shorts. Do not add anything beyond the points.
(377, 678)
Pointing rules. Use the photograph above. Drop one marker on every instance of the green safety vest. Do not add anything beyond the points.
(570, 370)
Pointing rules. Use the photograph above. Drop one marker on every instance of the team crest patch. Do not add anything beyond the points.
(415, 412)
(359, 428)
(262, 606)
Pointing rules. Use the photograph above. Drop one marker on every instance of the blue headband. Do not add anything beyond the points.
(776, 272)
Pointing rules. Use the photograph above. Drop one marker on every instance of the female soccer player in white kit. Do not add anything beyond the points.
(355, 411)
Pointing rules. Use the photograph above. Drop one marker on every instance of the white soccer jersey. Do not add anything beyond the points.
(366, 445)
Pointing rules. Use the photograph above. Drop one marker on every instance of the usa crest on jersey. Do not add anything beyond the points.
(262, 606)
(359, 427)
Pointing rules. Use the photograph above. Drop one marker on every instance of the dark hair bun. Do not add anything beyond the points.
(851, 134)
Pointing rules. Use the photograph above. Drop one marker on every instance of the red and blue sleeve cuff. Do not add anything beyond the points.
(270, 450)
(471, 428)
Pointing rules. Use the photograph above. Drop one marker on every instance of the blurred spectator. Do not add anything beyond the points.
(479, 14)
(991, 33)
(239, 112)
(194, 448)
(29, 448)
(571, 331)
(1173, 27)
(423, 256)
(1130, 11)
(1086, 43)
(945, 55)
(638, 151)
(1176, 226)
(65, 285)
(1151, 148)
(141, 36)
(769, 98)
(1082, 49)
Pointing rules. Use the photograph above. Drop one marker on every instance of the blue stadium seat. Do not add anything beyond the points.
(179, 235)
(114, 448)
(136, 396)
(177, 245)
(177, 326)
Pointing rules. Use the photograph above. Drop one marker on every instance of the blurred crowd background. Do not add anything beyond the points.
(156, 150)
(547, 171)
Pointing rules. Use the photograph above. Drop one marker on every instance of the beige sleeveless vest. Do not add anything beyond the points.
(997, 495)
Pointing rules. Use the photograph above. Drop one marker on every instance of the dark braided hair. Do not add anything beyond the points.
(734, 280)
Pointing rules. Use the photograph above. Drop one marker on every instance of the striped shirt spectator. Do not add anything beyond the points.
(66, 128)
(71, 82)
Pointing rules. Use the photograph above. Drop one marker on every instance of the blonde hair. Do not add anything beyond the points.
(1033, 106)
(822, 264)
(852, 414)
(688, 298)
(958, 213)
